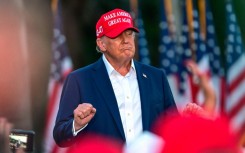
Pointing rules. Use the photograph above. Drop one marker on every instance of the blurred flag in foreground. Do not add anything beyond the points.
(61, 66)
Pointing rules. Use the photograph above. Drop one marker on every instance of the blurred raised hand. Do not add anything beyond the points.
(202, 80)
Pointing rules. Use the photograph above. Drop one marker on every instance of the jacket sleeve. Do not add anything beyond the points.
(169, 102)
(70, 98)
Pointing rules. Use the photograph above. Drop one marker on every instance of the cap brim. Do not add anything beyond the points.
(117, 31)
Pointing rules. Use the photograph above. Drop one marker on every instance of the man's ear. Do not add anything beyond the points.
(100, 44)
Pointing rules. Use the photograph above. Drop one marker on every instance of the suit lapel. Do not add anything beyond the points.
(143, 83)
(101, 78)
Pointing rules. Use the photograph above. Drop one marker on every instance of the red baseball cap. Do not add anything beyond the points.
(113, 23)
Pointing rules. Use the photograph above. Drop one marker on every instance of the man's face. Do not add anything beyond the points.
(120, 48)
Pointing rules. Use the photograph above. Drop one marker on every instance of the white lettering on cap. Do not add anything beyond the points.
(109, 16)
(124, 14)
(114, 21)
(126, 20)
(113, 15)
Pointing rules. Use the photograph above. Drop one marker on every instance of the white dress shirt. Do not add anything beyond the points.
(126, 90)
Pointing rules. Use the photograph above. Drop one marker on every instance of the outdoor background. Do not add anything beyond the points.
(26, 53)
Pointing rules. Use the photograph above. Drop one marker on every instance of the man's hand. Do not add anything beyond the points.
(196, 110)
(83, 114)
(201, 79)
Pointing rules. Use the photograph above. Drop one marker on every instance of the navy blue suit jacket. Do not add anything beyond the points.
(91, 84)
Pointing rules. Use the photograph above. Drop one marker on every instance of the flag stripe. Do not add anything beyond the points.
(52, 101)
(223, 96)
(49, 141)
(238, 120)
(235, 95)
(61, 66)
(237, 107)
(237, 80)
(236, 68)
(235, 77)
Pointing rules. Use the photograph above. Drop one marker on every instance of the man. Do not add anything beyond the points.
(116, 96)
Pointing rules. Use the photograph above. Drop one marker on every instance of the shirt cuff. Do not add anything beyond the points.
(76, 132)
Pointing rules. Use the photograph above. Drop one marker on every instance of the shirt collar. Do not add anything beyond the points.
(109, 67)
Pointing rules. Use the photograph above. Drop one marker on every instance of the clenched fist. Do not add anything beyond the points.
(83, 114)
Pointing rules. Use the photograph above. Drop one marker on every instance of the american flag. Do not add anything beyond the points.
(203, 48)
(192, 44)
(199, 53)
(143, 50)
(168, 58)
(173, 54)
(235, 69)
(61, 65)
(216, 66)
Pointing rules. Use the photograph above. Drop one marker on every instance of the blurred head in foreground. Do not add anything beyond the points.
(194, 134)
(92, 143)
